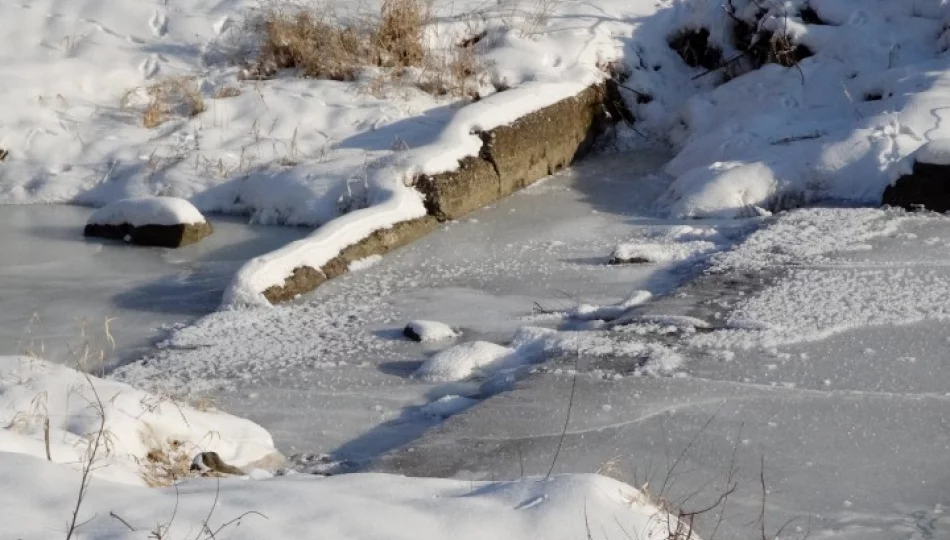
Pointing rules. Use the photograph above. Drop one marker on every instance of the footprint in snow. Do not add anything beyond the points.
(159, 23)
(149, 67)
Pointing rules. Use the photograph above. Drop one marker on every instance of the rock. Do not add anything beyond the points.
(149, 221)
(211, 463)
(428, 331)
(924, 179)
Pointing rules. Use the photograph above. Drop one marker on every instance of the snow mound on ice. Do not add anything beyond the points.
(33, 391)
(141, 211)
(462, 361)
(721, 190)
(424, 331)
(38, 494)
(661, 253)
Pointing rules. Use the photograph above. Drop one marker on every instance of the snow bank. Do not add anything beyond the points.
(39, 496)
(147, 211)
(33, 391)
(829, 128)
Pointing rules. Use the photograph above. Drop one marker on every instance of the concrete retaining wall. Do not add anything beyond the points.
(512, 157)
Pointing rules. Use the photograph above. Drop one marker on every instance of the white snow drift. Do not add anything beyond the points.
(140, 211)
(38, 498)
(35, 394)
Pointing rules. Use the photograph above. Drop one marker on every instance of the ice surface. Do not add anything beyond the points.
(842, 374)
(147, 211)
(59, 288)
(338, 355)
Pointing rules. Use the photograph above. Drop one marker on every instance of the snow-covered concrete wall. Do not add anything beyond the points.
(517, 142)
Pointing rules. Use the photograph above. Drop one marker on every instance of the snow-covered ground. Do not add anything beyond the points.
(39, 499)
(61, 425)
(810, 354)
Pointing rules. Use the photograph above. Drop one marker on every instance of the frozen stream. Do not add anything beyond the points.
(55, 284)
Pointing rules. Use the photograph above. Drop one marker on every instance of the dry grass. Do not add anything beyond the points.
(454, 74)
(169, 98)
(227, 92)
(316, 42)
(166, 464)
(311, 42)
(399, 40)
(391, 46)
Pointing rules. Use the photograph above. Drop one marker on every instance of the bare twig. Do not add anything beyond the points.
(567, 420)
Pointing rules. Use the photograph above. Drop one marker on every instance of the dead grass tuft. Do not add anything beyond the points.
(303, 39)
(166, 465)
(400, 38)
(169, 98)
(227, 92)
(320, 45)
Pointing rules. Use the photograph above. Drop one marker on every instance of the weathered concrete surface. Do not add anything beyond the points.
(170, 236)
(512, 157)
(307, 278)
(518, 154)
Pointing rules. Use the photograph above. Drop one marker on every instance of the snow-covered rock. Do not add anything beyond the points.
(922, 179)
(421, 330)
(151, 221)
(462, 361)
(37, 397)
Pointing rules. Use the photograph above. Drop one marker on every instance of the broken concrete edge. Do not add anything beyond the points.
(307, 278)
(512, 157)
(168, 236)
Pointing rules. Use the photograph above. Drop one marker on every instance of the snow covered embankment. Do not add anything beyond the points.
(830, 126)
(50, 411)
(58, 422)
(400, 211)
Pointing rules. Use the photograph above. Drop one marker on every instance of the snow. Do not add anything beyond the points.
(430, 330)
(462, 361)
(936, 152)
(147, 211)
(809, 302)
(354, 506)
(661, 253)
(34, 392)
(778, 137)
